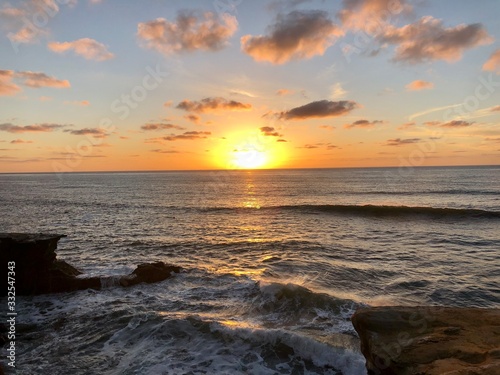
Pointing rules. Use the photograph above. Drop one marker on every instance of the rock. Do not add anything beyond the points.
(429, 340)
(37, 271)
(150, 273)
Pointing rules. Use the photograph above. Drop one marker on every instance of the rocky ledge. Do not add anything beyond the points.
(38, 271)
(429, 340)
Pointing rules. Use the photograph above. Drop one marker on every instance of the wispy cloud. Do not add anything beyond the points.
(493, 62)
(190, 31)
(419, 85)
(20, 141)
(186, 136)
(283, 92)
(432, 110)
(449, 124)
(294, 36)
(89, 49)
(81, 103)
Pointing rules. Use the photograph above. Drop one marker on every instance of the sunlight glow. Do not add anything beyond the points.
(249, 150)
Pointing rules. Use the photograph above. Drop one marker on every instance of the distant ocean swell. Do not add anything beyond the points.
(379, 211)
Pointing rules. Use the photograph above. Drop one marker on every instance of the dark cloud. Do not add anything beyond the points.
(295, 35)
(363, 124)
(160, 126)
(269, 131)
(318, 109)
(94, 132)
(11, 128)
(193, 118)
(281, 140)
(449, 124)
(428, 40)
(213, 105)
(401, 142)
(190, 31)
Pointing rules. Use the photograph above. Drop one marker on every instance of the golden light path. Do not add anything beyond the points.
(250, 151)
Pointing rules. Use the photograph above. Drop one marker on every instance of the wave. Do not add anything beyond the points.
(378, 211)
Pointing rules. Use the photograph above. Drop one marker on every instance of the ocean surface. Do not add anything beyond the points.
(276, 262)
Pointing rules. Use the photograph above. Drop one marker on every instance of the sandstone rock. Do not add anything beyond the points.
(429, 340)
(37, 271)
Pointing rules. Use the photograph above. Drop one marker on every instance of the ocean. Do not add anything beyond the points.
(275, 263)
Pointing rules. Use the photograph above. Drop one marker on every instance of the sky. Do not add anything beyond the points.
(113, 85)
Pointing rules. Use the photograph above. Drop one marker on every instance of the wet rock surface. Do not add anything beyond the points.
(429, 340)
(38, 271)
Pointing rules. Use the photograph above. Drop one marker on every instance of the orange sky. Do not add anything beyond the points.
(241, 84)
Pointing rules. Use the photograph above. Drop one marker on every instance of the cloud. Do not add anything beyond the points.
(281, 140)
(401, 142)
(318, 109)
(363, 124)
(191, 31)
(371, 15)
(337, 92)
(327, 127)
(419, 85)
(186, 136)
(294, 36)
(269, 131)
(160, 126)
(213, 105)
(283, 92)
(495, 108)
(23, 22)
(37, 80)
(7, 87)
(449, 124)
(83, 103)
(89, 49)
(193, 118)
(158, 150)
(407, 125)
(428, 40)
(19, 141)
(94, 132)
(493, 62)
(11, 128)
(168, 104)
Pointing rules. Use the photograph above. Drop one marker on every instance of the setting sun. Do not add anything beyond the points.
(249, 158)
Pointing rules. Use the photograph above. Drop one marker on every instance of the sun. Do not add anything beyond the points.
(249, 158)
(249, 150)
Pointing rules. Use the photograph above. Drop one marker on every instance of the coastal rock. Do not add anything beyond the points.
(37, 271)
(150, 273)
(429, 340)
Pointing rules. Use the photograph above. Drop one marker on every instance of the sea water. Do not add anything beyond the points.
(275, 263)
